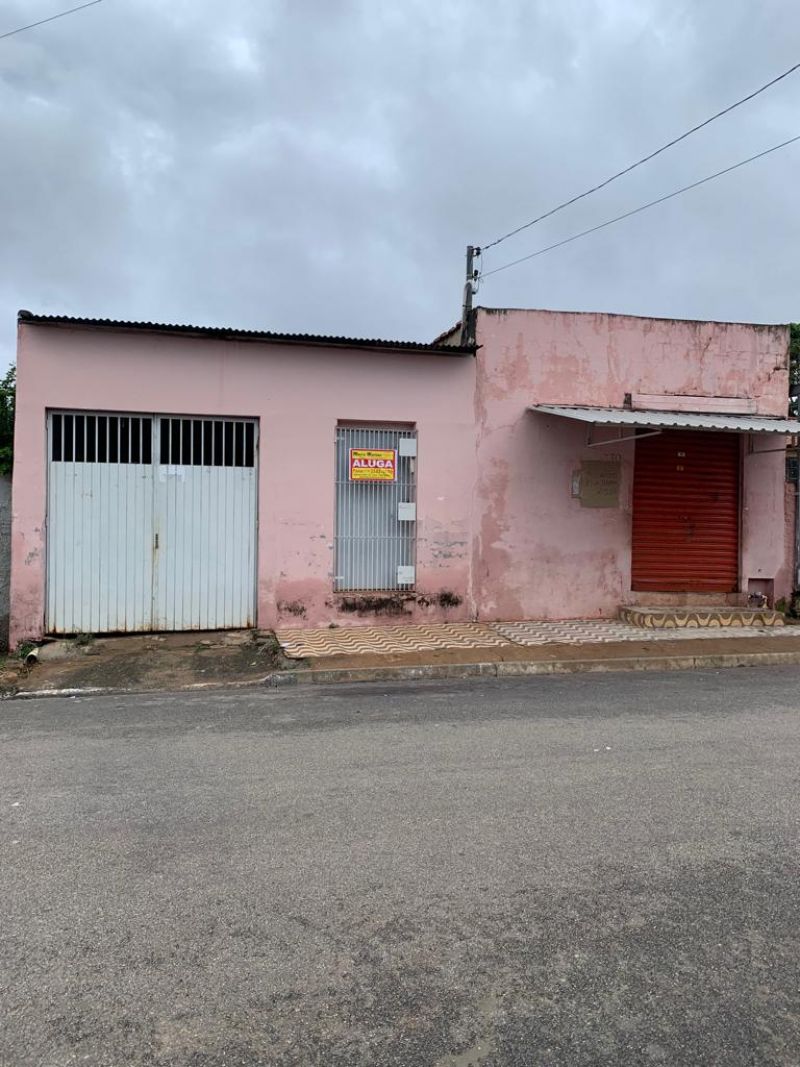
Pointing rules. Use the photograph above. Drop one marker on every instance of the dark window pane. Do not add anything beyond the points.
(238, 444)
(69, 430)
(163, 425)
(136, 441)
(102, 439)
(91, 439)
(208, 443)
(249, 444)
(228, 444)
(186, 435)
(113, 439)
(147, 440)
(80, 439)
(56, 438)
(175, 448)
(124, 440)
(217, 444)
(197, 442)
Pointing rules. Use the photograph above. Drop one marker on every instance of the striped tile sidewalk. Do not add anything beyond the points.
(298, 643)
(590, 631)
(386, 640)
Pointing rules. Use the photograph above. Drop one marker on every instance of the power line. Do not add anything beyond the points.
(644, 207)
(41, 22)
(645, 159)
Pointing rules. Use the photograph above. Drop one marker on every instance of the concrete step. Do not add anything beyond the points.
(671, 618)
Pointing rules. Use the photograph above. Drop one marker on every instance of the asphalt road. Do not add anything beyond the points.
(579, 870)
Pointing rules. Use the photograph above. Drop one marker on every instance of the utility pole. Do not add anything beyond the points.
(467, 315)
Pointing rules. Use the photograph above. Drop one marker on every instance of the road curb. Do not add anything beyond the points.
(432, 671)
(95, 691)
(522, 668)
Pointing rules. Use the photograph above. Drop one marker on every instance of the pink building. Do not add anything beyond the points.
(171, 477)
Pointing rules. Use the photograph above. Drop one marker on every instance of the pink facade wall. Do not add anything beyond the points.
(595, 359)
(538, 553)
(497, 525)
(298, 393)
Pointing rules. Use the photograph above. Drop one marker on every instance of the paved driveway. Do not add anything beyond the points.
(578, 870)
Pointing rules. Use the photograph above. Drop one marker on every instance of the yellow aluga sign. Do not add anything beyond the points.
(373, 464)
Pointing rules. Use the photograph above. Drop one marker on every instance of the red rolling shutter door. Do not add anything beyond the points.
(686, 512)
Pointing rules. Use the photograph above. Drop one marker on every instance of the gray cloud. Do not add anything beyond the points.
(319, 165)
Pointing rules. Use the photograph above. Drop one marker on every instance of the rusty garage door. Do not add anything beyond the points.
(686, 512)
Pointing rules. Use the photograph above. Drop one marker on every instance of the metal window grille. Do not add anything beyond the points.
(375, 543)
(78, 438)
(207, 442)
(791, 469)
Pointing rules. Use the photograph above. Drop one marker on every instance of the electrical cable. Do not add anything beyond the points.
(41, 22)
(645, 159)
(643, 207)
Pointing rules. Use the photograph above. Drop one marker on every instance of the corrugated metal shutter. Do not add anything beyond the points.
(686, 513)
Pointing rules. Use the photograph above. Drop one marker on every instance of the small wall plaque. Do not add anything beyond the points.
(599, 482)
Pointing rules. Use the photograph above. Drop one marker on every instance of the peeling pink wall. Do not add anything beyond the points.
(538, 553)
(595, 359)
(298, 393)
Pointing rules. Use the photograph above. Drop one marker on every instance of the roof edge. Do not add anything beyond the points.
(226, 333)
(632, 315)
(441, 338)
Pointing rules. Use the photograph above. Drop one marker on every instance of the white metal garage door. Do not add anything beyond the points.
(151, 522)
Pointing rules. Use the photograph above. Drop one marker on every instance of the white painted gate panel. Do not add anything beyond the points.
(138, 544)
(206, 496)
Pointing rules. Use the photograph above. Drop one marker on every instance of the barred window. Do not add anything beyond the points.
(78, 438)
(207, 442)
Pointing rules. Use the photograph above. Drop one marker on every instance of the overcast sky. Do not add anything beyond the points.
(319, 165)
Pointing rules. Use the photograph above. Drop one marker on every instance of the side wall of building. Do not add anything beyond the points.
(299, 394)
(539, 552)
(5, 557)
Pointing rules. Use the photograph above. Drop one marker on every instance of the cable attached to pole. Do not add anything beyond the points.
(642, 207)
(645, 159)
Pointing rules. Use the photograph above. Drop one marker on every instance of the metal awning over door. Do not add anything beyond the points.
(671, 420)
(685, 524)
(151, 522)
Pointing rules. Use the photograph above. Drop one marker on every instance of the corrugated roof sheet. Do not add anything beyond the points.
(665, 420)
(227, 333)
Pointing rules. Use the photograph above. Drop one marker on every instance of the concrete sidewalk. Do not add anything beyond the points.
(190, 661)
(518, 648)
